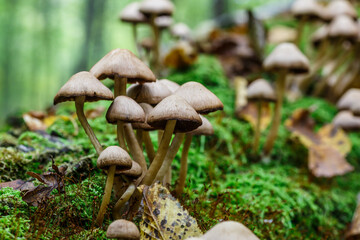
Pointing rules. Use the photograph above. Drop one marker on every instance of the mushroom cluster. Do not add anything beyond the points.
(147, 105)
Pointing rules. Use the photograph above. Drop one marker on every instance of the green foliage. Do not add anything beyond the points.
(12, 164)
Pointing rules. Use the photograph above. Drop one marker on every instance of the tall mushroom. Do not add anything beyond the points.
(123, 229)
(284, 59)
(110, 159)
(260, 91)
(84, 87)
(172, 113)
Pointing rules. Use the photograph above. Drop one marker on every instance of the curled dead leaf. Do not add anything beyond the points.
(18, 185)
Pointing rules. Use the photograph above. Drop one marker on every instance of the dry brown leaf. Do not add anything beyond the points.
(181, 56)
(326, 161)
(336, 138)
(34, 124)
(164, 218)
(18, 185)
(250, 114)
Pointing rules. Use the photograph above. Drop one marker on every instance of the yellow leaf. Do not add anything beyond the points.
(164, 218)
(49, 120)
(336, 138)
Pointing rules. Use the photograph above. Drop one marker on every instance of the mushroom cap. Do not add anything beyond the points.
(125, 109)
(172, 86)
(174, 107)
(205, 129)
(286, 56)
(350, 97)
(131, 13)
(199, 97)
(163, 22)
(306, 8)
(340, 7)
(261, 89)
(343, 26)
(180, 30)
(151, 93)
(144, 125)
(114, 155)
(134, 172)
(157, 7)
(123, 229)
(347, 121)
(229, 230)
(147, 43)
(319, 35)
(122, 63)
(83, 84)
(355, 109)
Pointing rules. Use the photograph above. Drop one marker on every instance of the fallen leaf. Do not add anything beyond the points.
(18, 185)
(95, 112)
(354, 230)
(336, 138)
(250, 114)
(326, 161)
(181, 56)
(34, 124)
(164, 218)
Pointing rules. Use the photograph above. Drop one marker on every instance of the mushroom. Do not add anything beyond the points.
(229, 230)
(131, 14)
(153, 9)
(181, 31)
(110, 159)
(151, 93)
(123, 229)
(347, 121)
(285, 58)
(348, 99)
(84, 87)
(172, 86)
(172, 113)
(340, 7)
(258, 91)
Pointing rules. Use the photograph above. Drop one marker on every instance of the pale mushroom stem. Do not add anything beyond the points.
(280, 90)
(138, 48)
(160, 155)
(149, 147)
(167, 178)
(79, 105)
(120, 86)
(170, 155)
(135, 149)
(107, 195)
(156, 43)
(183, 166)
(122, 200)
(258, 125)
(120, 134)
(139, 137)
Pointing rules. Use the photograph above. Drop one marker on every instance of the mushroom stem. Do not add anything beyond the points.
(138, 48)
(149, 147)
(160, 155)
(120, 86)
(170, 155)
(79, 105)
(156, 43)
(122, 200)
(135, 149)
(299, 31)
(160, 134)
(183, 166)
(258, 125)
(120, 134)
(280, 89)
(167, 178)
(107, 195)
(139, 137)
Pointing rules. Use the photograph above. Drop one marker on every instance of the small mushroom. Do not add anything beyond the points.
(151, 93)
(110, 159)
(123, 229)
(340, 7)
(84, 87)
(347, 121)
(229, 230)
(348, 99)
(181, 31)
(260, 91)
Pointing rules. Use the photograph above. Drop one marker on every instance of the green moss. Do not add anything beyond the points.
(12, 164)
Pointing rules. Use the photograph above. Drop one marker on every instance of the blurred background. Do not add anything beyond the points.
(44, 42)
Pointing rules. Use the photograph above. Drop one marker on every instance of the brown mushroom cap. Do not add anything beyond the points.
(286, 56)
(172, 86)
(205, 128)
(163, 22)
(306, 8)
(83, 84)
(122, 63)
(131, 13)
(229, 230)
(199, 97)
(134, 172)
(144, 125)
(174, 108)
(125, 109)
(355, 109)
(343, 26)
(151, 93)
(180, 30)
(114, 155)
(261, 89)
(157, 7)
(350, 97)
(123, 229)
(340, 7)
(347, 121)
